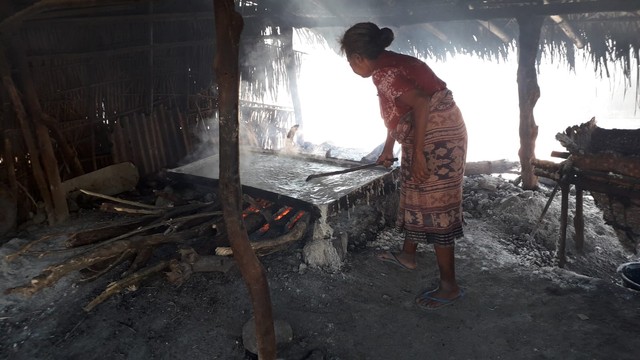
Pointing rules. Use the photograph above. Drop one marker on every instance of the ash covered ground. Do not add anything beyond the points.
(518, 303)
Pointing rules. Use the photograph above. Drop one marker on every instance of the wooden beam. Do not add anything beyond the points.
(452, 12)
(123, 50)
(437, 33)
(55, 18)
(496, 30)
(567, 29)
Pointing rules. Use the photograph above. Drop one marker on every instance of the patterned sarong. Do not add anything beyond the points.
(431, 211)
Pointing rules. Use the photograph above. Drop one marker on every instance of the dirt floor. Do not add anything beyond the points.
(518, 304)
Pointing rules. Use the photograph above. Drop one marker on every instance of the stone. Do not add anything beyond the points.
(321, 253)
(284, 334)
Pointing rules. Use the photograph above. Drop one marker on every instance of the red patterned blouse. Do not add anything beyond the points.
(397, 74)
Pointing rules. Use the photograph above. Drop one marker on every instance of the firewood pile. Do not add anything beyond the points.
(606, 162)
(133, 242)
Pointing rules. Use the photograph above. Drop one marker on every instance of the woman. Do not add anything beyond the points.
(418, 112)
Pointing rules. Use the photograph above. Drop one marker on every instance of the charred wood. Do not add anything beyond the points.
(265, 247)
(91, 236)
(107, 252)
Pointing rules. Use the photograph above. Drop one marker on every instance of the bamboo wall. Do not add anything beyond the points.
(131, 83)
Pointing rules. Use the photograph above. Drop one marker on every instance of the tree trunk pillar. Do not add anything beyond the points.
(292, 74)
(528, 94)
(229, 25)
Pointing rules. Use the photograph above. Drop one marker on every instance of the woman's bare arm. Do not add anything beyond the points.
(419, 102)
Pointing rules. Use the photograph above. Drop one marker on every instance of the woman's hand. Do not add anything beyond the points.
(385, 159)
(419, 170)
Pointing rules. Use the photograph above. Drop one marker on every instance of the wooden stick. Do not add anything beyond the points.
(97, 234)
(122, 201)
(546, 207)
(362, 167)
(578, 220)
(132, 280)
(564, 214)
(114, 208)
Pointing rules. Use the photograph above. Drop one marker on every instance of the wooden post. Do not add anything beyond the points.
(229, 25)
(292, 73)
(564, 215)
(150, 92)
(50, 163)
(11, 165)
(529, 92)
(68, 152)
(27, 133)
(578, 220)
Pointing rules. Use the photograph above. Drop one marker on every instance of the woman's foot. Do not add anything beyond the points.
(401, 259)
(437, 298)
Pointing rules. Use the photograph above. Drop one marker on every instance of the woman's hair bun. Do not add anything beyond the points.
(385, 37)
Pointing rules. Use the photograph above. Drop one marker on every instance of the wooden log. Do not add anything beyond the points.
(623, 165)
(491, 167)
(109, 180)
(228, 25)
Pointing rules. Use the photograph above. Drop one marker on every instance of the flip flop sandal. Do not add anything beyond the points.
(439, 301)
(393, 259)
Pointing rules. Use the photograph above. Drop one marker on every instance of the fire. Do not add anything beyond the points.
(295, 219)
(250, 210)
(283, 213)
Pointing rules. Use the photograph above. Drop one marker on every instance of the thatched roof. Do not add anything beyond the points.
(606, 29)
(110, 58)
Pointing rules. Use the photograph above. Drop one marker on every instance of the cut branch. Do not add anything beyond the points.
(130, 281)
(121, 201)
